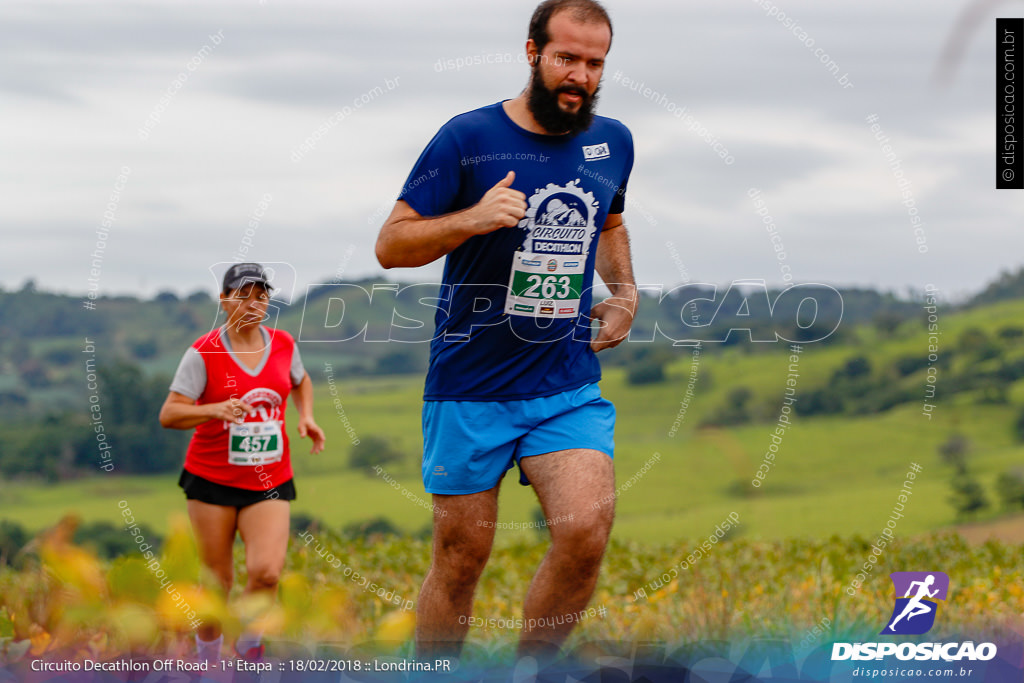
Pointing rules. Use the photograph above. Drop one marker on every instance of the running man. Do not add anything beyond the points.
(525, 198)
(916, 605)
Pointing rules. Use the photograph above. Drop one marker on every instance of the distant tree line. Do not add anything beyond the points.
(968, 496)
(978, 363)
(104, 539)
(127, 437)
(107, 540)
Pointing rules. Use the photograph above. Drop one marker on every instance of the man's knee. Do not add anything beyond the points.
(463, 560)
(585, 536)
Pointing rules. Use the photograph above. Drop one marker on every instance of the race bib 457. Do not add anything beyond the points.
(255, 443)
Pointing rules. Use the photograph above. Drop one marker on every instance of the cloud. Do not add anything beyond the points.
(82, 80)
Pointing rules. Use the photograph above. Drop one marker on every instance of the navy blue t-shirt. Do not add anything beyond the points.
(512, 313)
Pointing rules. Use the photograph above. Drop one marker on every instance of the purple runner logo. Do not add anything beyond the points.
(914, 612)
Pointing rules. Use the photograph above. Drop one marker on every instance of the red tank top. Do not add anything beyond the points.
(267, 392)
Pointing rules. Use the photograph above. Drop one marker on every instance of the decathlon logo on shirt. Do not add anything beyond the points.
(595, 152)
(560, 220)
(549, 270)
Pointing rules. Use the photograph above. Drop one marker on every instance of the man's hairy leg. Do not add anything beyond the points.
(576, 491)
(463, 535)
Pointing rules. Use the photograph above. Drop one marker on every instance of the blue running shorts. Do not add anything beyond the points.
(469, 445)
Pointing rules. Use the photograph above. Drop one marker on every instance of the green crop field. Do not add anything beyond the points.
(786, 569)
(831, 474)
(836, 474)
(347, 592)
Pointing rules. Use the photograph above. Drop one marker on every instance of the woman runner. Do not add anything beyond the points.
(232, 386)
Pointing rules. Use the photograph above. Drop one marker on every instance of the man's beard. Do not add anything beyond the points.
(543, 104)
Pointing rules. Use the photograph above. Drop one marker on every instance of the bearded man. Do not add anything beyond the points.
(524, 198)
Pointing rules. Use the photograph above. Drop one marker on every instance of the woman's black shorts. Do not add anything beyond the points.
(197, 488)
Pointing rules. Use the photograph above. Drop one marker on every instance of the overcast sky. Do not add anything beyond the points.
(91, 89)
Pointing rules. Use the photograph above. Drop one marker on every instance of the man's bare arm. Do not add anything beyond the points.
(407, 239)
(614, 265)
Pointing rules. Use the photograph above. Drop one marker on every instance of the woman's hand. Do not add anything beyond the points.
(231, 410)
(308, 427)
(181, 412)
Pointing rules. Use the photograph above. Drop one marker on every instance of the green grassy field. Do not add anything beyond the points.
(789, 566)
(832, 475)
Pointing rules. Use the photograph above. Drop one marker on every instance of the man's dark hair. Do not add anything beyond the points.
(586, 11)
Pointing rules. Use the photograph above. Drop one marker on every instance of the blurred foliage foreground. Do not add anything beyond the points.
(62, 602)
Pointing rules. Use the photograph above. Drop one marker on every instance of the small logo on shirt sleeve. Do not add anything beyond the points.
(595, 152)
